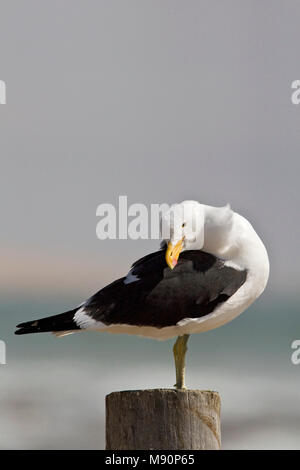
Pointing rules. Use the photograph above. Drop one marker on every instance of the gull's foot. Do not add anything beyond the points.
(180, 387)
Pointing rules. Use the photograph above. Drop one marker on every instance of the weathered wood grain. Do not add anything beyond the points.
(163, 419)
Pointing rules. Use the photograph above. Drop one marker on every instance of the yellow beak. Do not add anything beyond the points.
(172, 253)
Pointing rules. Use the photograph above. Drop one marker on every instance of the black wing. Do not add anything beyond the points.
(154, 295)
(157, 296)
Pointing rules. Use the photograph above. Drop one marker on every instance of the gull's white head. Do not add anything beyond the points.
(194, 226)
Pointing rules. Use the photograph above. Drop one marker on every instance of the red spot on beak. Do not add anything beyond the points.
(174, 262)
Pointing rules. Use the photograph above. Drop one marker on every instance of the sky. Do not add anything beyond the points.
(159, 101)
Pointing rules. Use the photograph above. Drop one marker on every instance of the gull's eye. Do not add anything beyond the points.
(183, 225)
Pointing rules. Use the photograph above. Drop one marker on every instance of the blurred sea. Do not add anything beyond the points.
(52, 390)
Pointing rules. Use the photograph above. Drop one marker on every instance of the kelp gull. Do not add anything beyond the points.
(221, 270)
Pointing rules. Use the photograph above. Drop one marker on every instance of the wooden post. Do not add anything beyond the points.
(163, 419)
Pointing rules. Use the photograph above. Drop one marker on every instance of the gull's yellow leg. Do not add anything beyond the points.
(179, 351)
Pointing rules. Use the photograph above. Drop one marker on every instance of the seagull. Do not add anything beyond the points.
(210, 268)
